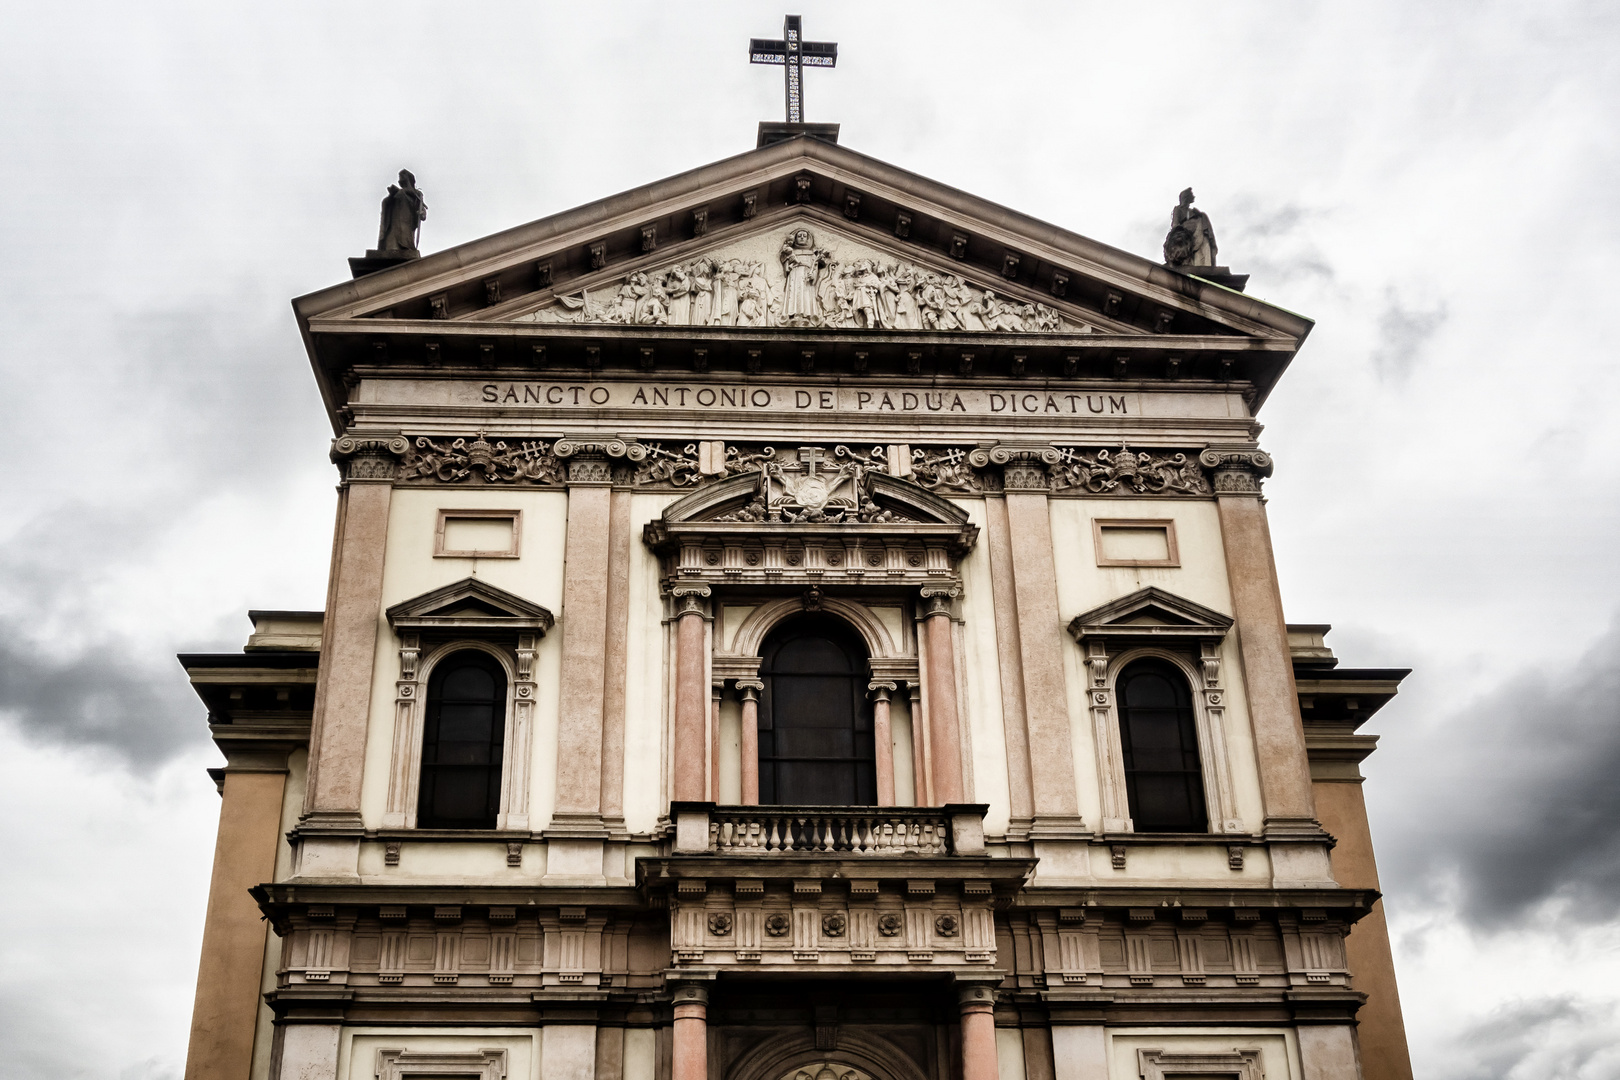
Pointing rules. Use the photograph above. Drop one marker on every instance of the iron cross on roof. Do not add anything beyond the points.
(793, 53)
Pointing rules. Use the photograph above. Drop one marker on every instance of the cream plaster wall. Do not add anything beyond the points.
(1279, 1048)
(900, 737)
(981, 676)
(730, 787)
(357, 1052)
(646, 720)
(640, 1053)
(411, 570)
(1201, 578)
(1010, 1054)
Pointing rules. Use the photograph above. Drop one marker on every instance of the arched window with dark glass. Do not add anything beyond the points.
(463, 736)
(1164, 780)
(815, 726)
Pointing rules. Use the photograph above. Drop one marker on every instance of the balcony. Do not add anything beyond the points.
(842, 832)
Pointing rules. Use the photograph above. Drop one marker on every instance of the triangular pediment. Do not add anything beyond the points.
(1150, 612)
(469, 604)
(900, 265)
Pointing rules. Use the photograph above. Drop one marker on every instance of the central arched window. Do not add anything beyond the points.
(815, 727)
(463, 737)
(1164, 780)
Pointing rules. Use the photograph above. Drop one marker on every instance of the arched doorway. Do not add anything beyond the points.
(815, 724)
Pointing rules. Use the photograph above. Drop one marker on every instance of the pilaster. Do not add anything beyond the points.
(348, 655)
(1297, 840)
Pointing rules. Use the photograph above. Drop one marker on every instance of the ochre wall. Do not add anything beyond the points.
(227, 1006)
(1343, 812)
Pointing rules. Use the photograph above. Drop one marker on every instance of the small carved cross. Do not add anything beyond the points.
(793, 53)
(812, 456)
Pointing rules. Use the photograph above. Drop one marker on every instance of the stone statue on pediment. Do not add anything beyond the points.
(403, 211)
(1191, 240)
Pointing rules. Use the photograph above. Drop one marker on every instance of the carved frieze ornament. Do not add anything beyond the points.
(807, 484)
(1124, 471)
(1237, 470)
(478, 459)
(369, 457)
(835, 283)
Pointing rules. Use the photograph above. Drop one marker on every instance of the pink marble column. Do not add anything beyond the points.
(883, 740)
(978, 1004)
(749, 690)
(691, 1035)
(945, 742)
(691, 694)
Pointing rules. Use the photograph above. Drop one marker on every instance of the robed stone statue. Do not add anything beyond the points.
(1191, 241)
(403, 211)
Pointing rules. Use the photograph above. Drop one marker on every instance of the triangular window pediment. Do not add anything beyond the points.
(470, 604)
(1151, 612)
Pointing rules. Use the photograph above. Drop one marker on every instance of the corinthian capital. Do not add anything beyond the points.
(369, 457)
(1237, 470)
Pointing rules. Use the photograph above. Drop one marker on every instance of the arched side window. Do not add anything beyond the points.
(463, 736)
(1164, 780)
(815, 726)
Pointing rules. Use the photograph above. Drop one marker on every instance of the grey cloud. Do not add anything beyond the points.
(94, 700)
(1517, 799)
(1552, 1038)
(1402, 334)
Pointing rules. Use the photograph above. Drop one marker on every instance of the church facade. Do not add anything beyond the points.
(793, 621)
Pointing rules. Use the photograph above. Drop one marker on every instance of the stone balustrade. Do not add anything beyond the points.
(843, 831)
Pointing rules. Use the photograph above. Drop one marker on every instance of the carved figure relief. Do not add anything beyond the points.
(803, 283)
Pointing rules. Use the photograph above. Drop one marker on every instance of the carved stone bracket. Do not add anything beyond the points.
(369, 457)
(1237, 470)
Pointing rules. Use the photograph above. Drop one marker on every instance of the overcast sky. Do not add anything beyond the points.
(1434, 183)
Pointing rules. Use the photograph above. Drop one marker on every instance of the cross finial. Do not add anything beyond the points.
(793, 53)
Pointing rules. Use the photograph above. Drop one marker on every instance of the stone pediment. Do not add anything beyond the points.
(1150, 613)
(898, 275)
(801, 273)
(793, 520)
(470, 604)
(812, 487)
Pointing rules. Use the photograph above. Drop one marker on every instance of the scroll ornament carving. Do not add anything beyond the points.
(1121, 471)
(1236, 471)
(529, 461)
(369, 457)
(817, 286)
